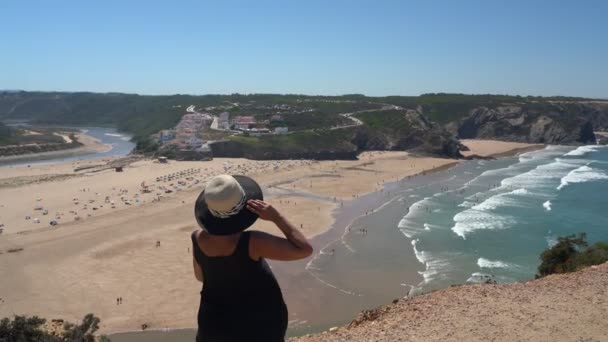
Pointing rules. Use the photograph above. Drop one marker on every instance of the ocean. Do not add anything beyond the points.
(496, 217)
(478, 219)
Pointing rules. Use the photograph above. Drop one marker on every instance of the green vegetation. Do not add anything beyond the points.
(311, 120)
(300, 142)
(444, 108)
(146, 115)
(571, 253)
(6, 134)
(26, 329)
(388, 121)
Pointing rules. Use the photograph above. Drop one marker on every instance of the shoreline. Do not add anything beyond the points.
(100, 248)
(90, 145)
(327, 237)
(520, 150)
(497, 149)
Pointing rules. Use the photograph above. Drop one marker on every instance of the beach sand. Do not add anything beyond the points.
(83, 265)
(493, 148)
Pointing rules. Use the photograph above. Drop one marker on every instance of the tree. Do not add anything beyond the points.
(593, 255)
(145, 145)
(6, 134)
(26, 329)
(571, 253)
(83, 332)
(560, 258)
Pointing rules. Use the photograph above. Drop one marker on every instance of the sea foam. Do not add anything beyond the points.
(547, 205)
(434, 267)
(486, 263)
(581, 175)
(471, 220)
(581, 151)
(500, 200)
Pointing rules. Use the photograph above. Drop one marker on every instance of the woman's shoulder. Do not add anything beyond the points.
(255, 234)
(198, 234)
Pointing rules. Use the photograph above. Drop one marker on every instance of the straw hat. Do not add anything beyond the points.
(221, 208)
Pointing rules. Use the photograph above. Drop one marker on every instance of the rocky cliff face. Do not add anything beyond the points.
(549, 123)
(419, 135)
(414, 132)
(427, 137)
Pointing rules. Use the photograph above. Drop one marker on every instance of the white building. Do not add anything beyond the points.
(256, 132)
(281, 130)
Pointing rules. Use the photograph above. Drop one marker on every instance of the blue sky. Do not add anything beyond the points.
(373, 47)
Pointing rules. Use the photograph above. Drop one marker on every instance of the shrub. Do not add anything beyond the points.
(571, 253)
(25, 329)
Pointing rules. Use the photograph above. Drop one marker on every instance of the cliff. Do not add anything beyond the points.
(546, 123)
(428, 124)
(405, 130)
(565, 307)
(392, 130)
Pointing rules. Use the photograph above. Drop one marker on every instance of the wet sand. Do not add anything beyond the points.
(83, 265)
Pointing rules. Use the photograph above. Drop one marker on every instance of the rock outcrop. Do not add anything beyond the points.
(546, 123)
(414, 133)
(419, 135)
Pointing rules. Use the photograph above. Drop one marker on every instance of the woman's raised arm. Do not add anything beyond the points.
(293, 247)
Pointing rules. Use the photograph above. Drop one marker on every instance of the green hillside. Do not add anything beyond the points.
(144, 115)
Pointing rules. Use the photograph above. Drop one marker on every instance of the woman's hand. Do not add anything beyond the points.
(264, 210)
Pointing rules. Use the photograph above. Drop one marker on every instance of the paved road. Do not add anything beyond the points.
(355, 122)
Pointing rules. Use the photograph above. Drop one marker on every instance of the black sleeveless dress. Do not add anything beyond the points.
(241, 299)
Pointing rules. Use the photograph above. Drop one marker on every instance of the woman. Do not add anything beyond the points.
(241, 299)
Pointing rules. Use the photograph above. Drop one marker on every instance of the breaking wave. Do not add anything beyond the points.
(499, 200)
(471, 220)
(581, 175)
(486, 263)
(581, 151)
(434, 267)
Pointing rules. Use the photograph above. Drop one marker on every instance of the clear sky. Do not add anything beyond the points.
(375, 47)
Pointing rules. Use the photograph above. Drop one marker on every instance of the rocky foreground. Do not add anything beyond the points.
(567, 307)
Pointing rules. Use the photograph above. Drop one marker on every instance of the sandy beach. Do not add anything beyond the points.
(109, 224)
(492, 148)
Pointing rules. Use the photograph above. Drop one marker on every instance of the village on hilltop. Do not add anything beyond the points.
(190, 138)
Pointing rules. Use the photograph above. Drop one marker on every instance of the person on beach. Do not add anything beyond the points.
(241, 299)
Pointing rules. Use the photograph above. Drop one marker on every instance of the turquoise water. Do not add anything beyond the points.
(500, 221)
(429, 232)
